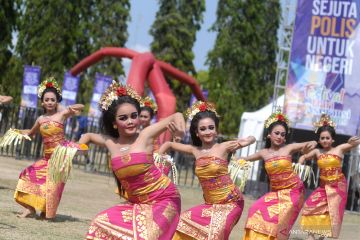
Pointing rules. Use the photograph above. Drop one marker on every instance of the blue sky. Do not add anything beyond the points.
(143, 15)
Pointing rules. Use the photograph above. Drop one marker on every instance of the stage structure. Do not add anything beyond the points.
(285, 36)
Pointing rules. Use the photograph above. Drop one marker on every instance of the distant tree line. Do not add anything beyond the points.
(57, 34)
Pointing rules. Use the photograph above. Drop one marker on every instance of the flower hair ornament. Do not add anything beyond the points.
(114, 91)
(275, 117)
(49, 82)
(148, 102)
(200, 106)
(325, 120)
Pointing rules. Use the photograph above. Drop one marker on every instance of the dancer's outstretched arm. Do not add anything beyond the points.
(352, 142)
(95, 138)
(5, 99)
(233, 145)
(31, 132)
(185, 148)
(72, 110)
(148, 134)
(308, 156)
(254, 157)
(304, 147)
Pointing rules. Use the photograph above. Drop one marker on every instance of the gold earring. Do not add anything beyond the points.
(114, 126)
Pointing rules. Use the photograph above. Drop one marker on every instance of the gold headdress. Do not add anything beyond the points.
(50, 82)
(200, 106)
(114, 91)
(276, 116)
(325, 120)
(148, 102)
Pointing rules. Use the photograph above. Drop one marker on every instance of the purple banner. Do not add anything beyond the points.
(101, 83)
(324, 65)
(30, 86)
(70, 89)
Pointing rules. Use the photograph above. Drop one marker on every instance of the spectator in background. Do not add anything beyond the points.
(4, 110)
(81, 126)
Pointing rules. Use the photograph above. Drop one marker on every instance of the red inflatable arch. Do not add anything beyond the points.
(145, 67)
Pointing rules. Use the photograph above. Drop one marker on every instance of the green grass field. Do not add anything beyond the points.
(87, 194)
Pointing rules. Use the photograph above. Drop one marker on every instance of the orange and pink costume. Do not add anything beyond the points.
(273, 215)
(223, 206)
(34, 187)
(324, 209)
(153, 207)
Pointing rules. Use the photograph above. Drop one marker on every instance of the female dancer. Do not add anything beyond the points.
(272, 216)
(324, 209)
(35, 190)
(153, 207)
(223, 200)
(148, 110)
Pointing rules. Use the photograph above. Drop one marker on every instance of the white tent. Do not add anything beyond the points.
(252, 124)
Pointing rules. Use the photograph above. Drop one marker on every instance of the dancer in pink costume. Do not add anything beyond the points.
(153, 207)
(223, 200)
(35, 190)
(324, 209)
(273, 215)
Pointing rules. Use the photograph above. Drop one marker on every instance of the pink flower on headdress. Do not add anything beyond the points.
(49, 85)
(202, 107)
(121, 91)
(147, 104)
(280, 117)
(325, 123)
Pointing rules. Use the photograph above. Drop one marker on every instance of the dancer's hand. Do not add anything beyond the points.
(75, 109)
(353, 141)
(176, 131)
(232, 146)
(25, 131)
(309, 146)
(302, 159)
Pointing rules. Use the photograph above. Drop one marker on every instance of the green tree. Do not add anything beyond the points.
(8, 24)
(242, 64)
(174, 32)
(47, 35)
(57, 34)
(102, 24)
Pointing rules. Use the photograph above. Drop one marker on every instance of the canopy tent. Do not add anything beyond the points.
(252, 124)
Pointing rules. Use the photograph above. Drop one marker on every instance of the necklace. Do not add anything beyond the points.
(122, 149)
(205, 150)
(273, 152)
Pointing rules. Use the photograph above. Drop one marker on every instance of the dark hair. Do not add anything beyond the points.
(108, 116)
(270, 128)
(195, 122)
(149, 109)
(325, 128)
(53, 90)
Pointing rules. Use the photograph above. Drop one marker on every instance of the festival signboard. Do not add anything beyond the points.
(324, 66)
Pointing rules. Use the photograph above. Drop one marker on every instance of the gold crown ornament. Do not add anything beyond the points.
(200, 106)
(114, 91)
(325, 120)
(148, 102)
(275, 117)
(49, 82)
